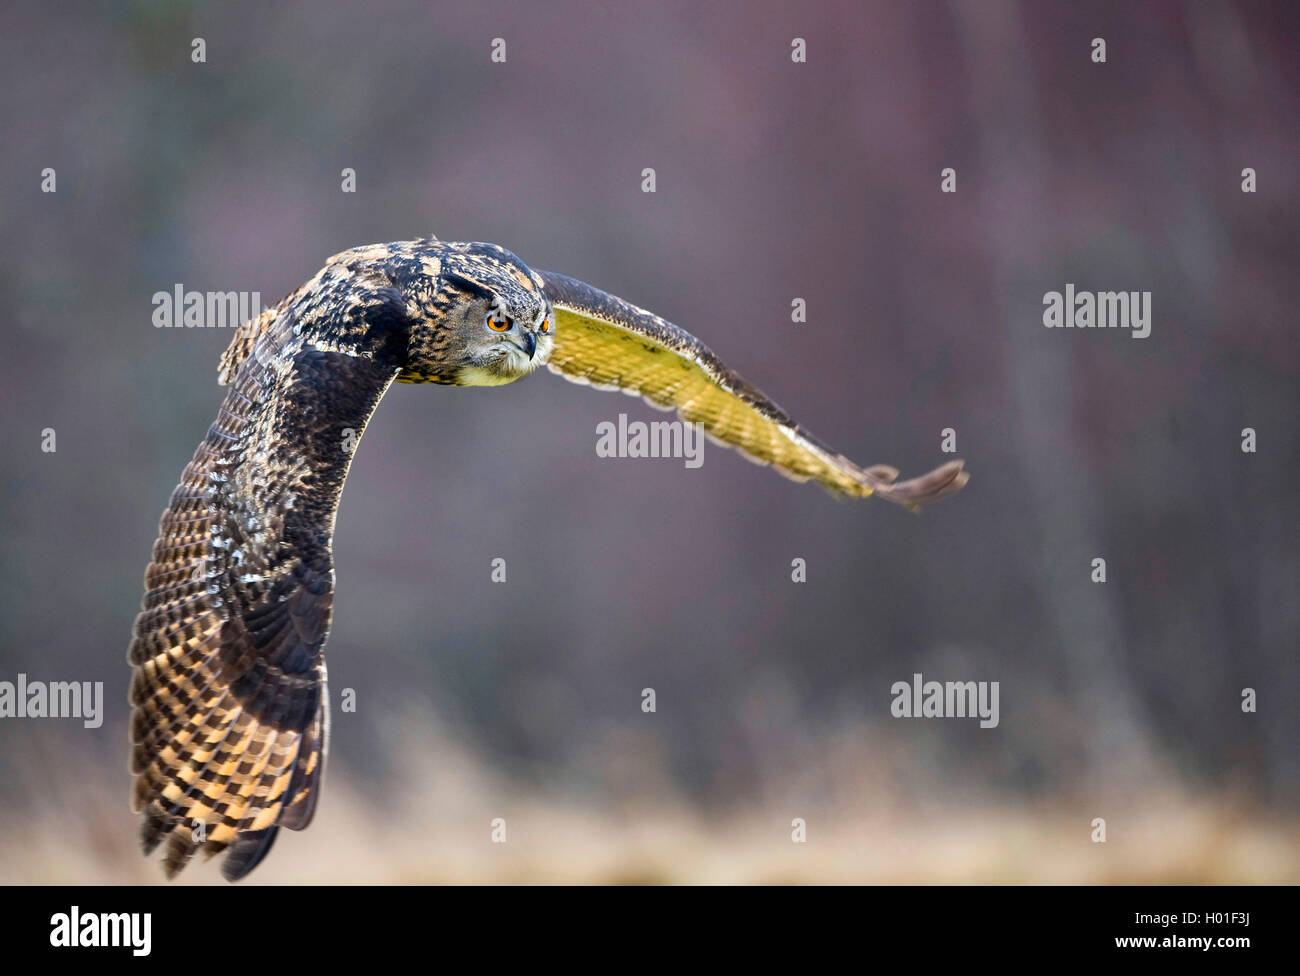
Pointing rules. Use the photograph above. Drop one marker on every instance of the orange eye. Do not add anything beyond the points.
(546, 326)
(498, 322)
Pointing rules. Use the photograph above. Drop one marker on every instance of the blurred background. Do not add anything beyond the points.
(775, 180)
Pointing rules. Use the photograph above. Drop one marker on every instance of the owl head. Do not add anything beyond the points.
(487, 321)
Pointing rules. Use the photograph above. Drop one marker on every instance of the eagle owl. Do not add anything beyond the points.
(230, 720)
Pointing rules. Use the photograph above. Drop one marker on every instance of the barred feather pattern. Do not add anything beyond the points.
(230, 717)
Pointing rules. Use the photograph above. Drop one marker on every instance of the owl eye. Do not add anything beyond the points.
(497, 322)
(546, 326)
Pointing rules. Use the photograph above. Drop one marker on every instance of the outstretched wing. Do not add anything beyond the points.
(230, 716)
(613, 345)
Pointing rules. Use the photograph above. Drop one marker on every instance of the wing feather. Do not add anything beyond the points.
(230, 715)
(610, 344)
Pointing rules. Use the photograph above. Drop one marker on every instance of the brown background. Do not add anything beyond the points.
(775, 180)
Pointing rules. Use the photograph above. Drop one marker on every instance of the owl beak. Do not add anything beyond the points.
(530, 344)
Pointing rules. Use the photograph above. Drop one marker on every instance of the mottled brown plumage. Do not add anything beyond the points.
(230, 718)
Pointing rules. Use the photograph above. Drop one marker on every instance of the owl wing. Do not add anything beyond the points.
(230, 717)
(611, 344)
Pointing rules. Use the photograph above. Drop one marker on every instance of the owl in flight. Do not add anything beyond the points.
(229, 716)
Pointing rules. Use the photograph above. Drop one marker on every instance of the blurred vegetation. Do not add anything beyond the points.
(775, 180)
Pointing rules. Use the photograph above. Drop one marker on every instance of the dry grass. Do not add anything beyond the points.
(437, 831)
